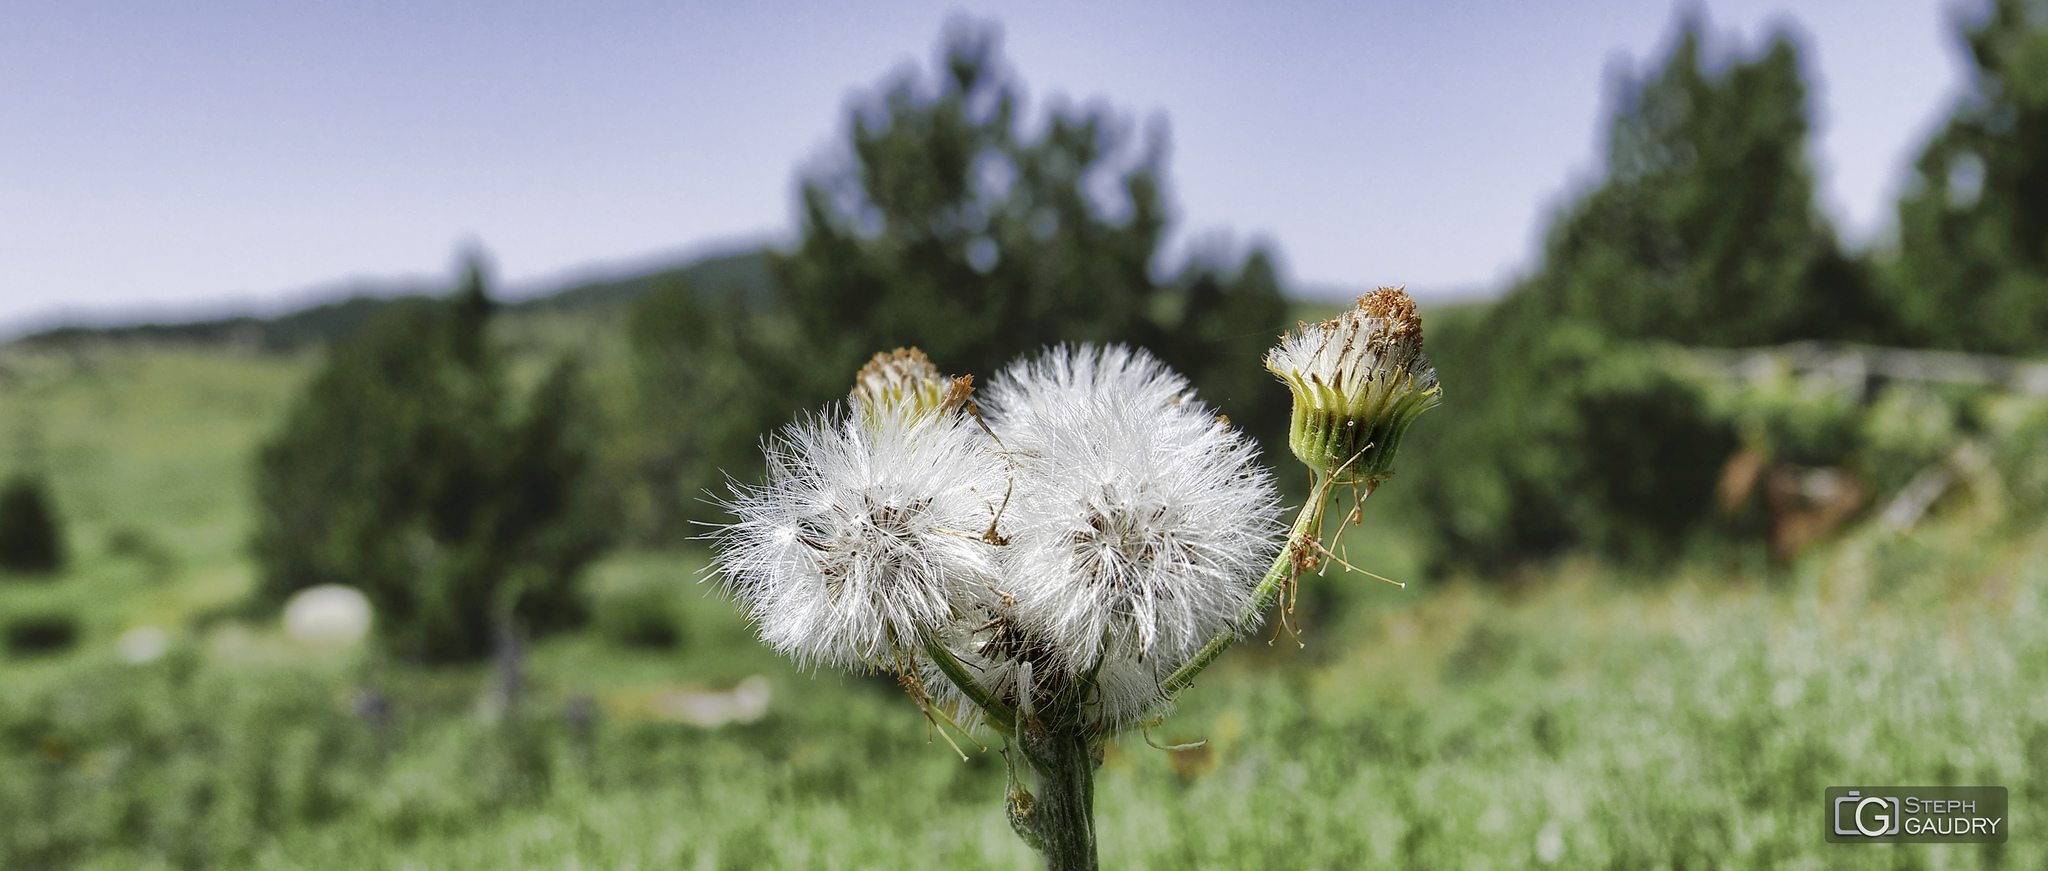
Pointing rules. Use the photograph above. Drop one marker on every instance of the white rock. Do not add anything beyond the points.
(744, 703)
(1550, 843)
(329, 615)
(142, 644)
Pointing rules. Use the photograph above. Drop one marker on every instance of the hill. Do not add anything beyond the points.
(745, 271)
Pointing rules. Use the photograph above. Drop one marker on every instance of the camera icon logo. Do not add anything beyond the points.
(1871, 816)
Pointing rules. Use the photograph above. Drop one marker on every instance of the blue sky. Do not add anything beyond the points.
(165, 159)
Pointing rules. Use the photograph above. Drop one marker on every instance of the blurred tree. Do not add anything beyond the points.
(1560, 428)
(1229, 318)
(404, 471)
(715, 370)
(945, 229)
(31, 535)
(949, 231)
(1972, 272)
(1705, 229)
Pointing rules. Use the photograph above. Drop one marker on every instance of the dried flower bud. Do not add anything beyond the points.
(905, 380)
(1359, 379)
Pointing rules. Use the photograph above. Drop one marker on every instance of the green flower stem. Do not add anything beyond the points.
(1306, 527)
(999, 714)
(1062, 814)
(1057, 816)
(1058, 819)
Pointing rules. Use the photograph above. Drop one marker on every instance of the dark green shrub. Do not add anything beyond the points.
(633, 613)
(1561, 439)
(145, 549)
(40, 634)
(31, 535)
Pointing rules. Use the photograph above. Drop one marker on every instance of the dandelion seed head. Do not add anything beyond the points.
(1141, 521)
(864, 533)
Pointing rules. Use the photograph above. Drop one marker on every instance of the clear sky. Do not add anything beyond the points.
(164, 159)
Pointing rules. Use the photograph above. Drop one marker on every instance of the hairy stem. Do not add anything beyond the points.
(1061, 815)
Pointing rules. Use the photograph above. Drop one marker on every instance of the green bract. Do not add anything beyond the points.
(1359, 379)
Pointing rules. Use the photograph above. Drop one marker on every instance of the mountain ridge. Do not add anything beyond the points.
(745, 271)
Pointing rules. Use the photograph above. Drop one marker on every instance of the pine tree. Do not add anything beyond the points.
(950, 232)
(1972, 272)
(1564, 429)
(405, 471)
(1705, 230)
(945, 229)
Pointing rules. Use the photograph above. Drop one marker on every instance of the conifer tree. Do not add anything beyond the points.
(950, 231)
(946, 228)
(1705, 230)
(1973, 225)
(405, 471)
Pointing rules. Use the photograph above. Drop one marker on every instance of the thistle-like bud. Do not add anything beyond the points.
(904, 380)
(1359, 379)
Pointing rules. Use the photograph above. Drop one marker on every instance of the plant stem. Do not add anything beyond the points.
(1307, 525)
(998, 714)
(1062, 813)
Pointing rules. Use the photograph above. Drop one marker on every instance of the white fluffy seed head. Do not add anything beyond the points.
(1141, 521)
(866, 532)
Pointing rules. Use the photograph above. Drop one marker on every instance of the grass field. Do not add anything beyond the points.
(1581, 715)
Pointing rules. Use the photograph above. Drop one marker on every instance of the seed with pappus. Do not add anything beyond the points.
(1358, 379)
(1060, 562)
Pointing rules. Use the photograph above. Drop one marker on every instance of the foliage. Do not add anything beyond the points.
(31, 533)
(638, 612)
(2018, 433)
(951, 234)
(1568, 438)
(405, 471)
(34, 634)
(1972, 271)
(713, 369)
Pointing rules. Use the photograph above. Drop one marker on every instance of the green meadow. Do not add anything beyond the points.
(1577, 713)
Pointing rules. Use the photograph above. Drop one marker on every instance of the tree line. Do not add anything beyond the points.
(1566, 425)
